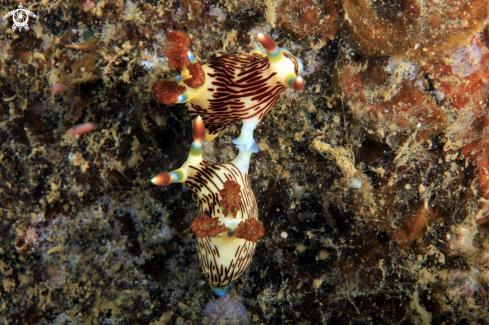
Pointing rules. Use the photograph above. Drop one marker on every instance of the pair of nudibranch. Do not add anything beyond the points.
(220, 93)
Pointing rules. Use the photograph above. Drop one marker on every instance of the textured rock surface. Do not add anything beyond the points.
(368, 217)
(225, 310)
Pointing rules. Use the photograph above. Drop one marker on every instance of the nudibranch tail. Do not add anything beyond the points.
(221, 291)
(245, 140)
(242, 160)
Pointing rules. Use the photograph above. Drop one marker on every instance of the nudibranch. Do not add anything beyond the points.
(229, 88)
(226, 225)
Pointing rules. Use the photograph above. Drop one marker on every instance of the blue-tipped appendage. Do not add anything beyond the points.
(191, 57)
(290, 80)
(276, 55)
(220, 291)
(183, 98)
(177, 176)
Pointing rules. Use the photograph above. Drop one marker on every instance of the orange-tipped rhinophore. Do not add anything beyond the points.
(162, 179)
(298, 83)
(268, 43)
(198, 132)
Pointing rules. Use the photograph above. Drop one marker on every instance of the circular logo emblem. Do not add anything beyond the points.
(20, 17)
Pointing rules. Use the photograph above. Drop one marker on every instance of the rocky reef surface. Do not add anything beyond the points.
(372, 183)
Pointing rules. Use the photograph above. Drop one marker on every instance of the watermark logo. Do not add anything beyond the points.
(20, 17)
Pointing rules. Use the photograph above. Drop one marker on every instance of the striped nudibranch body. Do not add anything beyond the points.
(242, 87)
(223, 256)
(206, 179)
